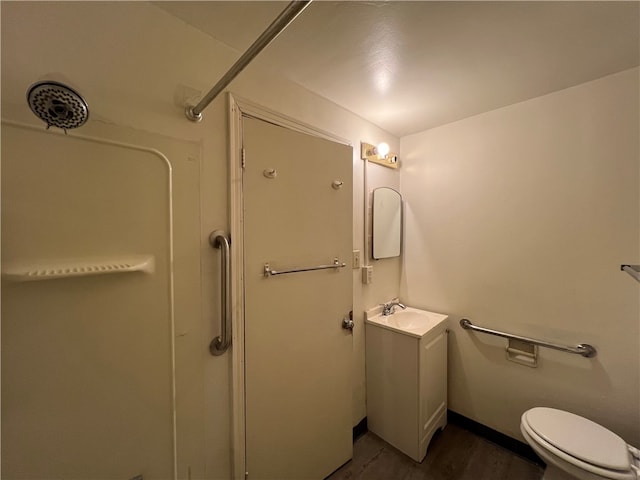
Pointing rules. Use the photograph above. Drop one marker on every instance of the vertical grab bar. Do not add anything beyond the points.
(219, 345)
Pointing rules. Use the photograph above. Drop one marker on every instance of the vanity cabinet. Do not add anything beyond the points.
(406, 372)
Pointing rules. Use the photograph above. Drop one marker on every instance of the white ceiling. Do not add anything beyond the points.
(410, 66)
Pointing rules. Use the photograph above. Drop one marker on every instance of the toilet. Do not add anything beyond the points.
(576, 448)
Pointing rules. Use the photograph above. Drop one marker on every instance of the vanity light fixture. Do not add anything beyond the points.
(379, 154)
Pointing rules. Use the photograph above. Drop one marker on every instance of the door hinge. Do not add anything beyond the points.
(244, 158)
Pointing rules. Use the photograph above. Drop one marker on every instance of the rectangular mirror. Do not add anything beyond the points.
(387, 223)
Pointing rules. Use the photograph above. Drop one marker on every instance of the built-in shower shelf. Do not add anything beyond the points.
(49, 270)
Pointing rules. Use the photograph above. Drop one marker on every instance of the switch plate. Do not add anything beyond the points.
(355, 259)
(367, 274)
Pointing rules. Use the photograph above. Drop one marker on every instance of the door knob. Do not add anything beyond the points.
(347, 321)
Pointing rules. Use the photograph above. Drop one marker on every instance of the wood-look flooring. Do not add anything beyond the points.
(454, 454)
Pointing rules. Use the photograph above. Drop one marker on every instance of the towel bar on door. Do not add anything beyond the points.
(268, 271)
(583, 349)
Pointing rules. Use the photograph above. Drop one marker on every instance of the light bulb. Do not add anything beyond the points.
(382, 149)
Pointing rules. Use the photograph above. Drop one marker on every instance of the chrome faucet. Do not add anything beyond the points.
(389, 308)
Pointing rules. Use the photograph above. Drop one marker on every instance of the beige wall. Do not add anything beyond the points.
(519, 219)
(386, 271)
(136, 64)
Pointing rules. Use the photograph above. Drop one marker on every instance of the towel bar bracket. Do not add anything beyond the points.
(633, 270)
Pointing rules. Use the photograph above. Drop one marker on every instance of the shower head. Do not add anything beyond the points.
(57, 104)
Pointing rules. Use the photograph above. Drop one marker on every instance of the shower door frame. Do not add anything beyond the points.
(239, 108)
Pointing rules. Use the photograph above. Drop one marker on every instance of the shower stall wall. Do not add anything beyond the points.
(89, 357)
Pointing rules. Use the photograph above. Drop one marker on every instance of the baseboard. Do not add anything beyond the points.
(505, 441)
(360, 429)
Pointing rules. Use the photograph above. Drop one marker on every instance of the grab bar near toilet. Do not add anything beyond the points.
(583, 349)
(220, 344)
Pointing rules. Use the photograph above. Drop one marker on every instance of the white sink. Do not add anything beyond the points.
(411, 321)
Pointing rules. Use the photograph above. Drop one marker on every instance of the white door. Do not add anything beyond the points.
(298, 356)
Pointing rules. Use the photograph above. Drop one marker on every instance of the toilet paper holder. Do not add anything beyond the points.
(522, 352)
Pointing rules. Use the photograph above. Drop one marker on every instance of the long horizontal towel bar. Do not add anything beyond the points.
(583, 349)
(269, 272)
(633, 270)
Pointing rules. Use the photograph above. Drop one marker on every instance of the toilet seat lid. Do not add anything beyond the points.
(579, 437)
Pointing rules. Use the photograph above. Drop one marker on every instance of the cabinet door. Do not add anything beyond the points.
(433, 381)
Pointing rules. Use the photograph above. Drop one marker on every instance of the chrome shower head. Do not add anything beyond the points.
(57, 104)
